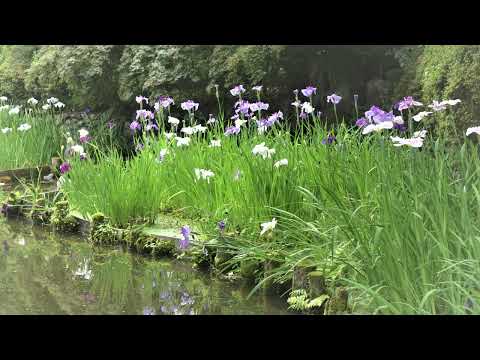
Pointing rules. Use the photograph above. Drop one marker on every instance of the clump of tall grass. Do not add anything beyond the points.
(28, 139)
(397, 224)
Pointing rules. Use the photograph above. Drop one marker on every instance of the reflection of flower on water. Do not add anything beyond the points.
(186, 300)
(148, 311)
(84, 271)
(181, 306)
(164, 295)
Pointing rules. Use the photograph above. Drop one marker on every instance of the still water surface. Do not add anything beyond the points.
(44, 273)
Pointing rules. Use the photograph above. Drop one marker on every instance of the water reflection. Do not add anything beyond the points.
(42, 273)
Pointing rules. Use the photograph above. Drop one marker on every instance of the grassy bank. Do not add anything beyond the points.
(28, 138)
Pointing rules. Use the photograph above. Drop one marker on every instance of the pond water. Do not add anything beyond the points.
(44, 273)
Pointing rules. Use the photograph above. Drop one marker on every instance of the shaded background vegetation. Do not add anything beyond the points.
(108, 77)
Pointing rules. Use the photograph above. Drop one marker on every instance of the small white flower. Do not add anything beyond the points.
(307, 108)
(204, 174)
(169, 135)
(262, 150)
(32, 101)
(3, 98)
(182, 141)
(77, 149)
(59, 105)
(14, 111)
(162, 155)
(438, 106)
(52, 100)
(48, 178)
(420, 134)
(471, 130)
(415, 142)
(6, 130)
(451, 102)
(212, 120)
(398, 120)
(421, 115)
(139, 99)
(283, 162)
(46, 106)
(4, 107)
(200, 128)
(188, 130)
(173, 121)
(377, 127)
(268, 226)
(24, 127)
(239, 122)
(215, 143)
(297, 104)
(262, 129)
(83, 132)
(21, 241)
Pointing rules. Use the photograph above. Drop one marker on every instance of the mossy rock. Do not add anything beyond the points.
(221, 257)
(250, 269)
(62, 220)
(338, 303)
(203, 256)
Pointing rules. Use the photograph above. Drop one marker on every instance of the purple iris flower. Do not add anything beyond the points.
(165, 101)
(407, 103)
(361, 122)
(83, 156)
(185, 241)
(65, 167)
(400, 127)
(309, 91)
(135, 125)
(232, 130)
(242, 106)
(258, 106)
(87, 110)
(151, 126)
(303, 115)
(84, 139)
(272, 119)
(334, 99)
(237, 90)
(377, 115)
(110, 125)
(145, 114)
(221, 225)
(329, 140)
(189, 105)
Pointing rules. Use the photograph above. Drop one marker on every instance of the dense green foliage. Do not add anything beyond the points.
(109, 76)
(32, 147)
(360, 210)
(438, 72)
